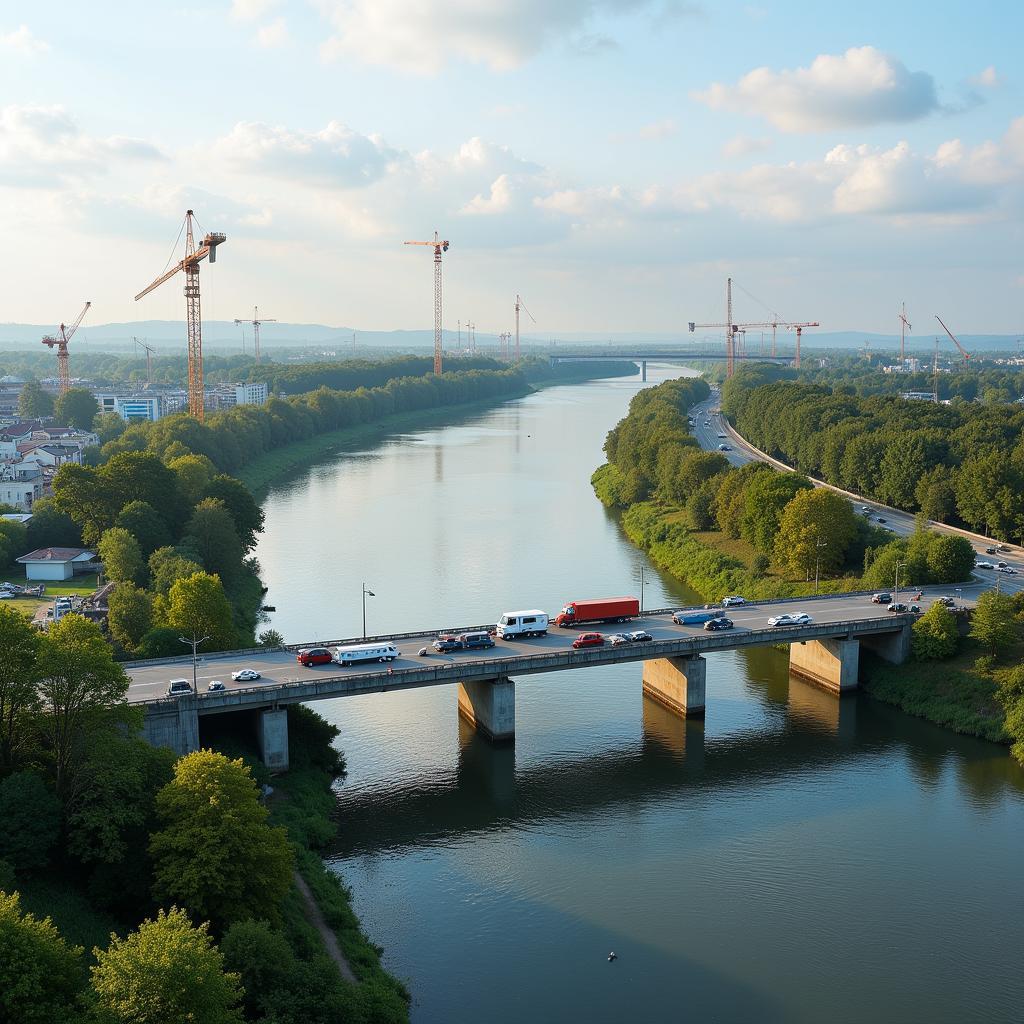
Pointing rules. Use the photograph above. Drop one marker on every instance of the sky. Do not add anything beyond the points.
(612, 161)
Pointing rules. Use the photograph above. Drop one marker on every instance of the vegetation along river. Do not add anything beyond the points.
(788, 859)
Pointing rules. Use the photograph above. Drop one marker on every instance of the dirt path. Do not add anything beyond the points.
(316, 919)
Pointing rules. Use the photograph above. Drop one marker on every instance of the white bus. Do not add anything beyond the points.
(365, 652)
(517, 624)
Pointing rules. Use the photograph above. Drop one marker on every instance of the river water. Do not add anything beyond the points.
(791, 858)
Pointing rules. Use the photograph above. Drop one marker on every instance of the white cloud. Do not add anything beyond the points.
(335, 155)
(745, 145)
(860, 87)
(250, 10)
(41, 145)
(659, 129)
(273, 35)
(987, 79)
(423, 36)
(22, 42)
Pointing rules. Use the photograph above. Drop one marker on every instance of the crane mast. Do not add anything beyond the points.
(61, 342)
(953, 338)
(521, 305)
(904, 327)
(439, 246)
(258, 322)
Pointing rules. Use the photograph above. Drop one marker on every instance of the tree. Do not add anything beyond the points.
(766, 496)
(271, 638)
(241, 505)
(198, 606)
(935, 634)
(78, 682)
(108, 426)
(212, 530)
(130, 616)
(145, 524)
(159, 642)
(167, 565)
(935, 493)
(166, 972)
(49, 527)
(77, 407)
(194, 473)
(13, 541)
(121, 556)
(31, 817)
(19, 643)
(816, 527)
(950, 559)
(34, 402)
(993, 623)
(215, 854)
(40, 975)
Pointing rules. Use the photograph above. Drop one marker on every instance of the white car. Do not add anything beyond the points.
(617, 639)
(982, 564)
(794, 619)
(728, 602)
(1006, 569)
(245, 675)
(215, 686)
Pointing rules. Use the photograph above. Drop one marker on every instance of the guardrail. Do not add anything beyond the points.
(469, 670)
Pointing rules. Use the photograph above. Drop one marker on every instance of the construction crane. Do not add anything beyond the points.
(440, 246)
(963, 351)
(520, 305)
(257, 322)
(193, 313)
(64, 335)
(149, 350)
(904, 327)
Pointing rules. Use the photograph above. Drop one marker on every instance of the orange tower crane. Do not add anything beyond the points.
(953, 337)
(521, 305)
(257, 321)
(193, 312)
(65, 334)
(440, 246)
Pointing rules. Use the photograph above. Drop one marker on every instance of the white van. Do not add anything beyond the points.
(365, 652)
(518, 624)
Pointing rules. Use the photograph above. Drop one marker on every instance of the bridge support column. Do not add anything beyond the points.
(272, 733)
(830, 664)
(489, 705)
(678, 683)
(174, 725)
(891, 647)
(643, 369)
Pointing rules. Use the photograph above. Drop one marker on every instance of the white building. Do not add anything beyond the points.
(227, 395)
(20, 485)
(56, 563)
(132, 408)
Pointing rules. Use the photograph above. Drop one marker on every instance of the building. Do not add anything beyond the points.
(132, 408)
(57, 563)
(227, 395)
(20, 485)
(918, 396)
(10, 394)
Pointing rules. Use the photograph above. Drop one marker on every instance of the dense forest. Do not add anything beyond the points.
(961, 463)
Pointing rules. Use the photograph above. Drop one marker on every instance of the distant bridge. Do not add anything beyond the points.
(644, 356)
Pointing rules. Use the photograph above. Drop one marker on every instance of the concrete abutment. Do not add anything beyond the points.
(677, 683)
(173, 724)
(272, 735)
(489, 705)
(831, 664)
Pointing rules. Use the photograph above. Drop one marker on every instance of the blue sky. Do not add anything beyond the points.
(611, 160)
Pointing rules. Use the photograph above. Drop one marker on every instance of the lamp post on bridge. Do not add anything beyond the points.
(194, 644)
(896, 583)
(366, 593)
(818, 545)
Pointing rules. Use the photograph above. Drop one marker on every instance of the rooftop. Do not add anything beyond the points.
(55, 555)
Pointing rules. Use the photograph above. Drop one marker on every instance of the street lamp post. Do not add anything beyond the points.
(366, 593)
(896, 582)
(194, 644)
(641, 590)
(818, 545)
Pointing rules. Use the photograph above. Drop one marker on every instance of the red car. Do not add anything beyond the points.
(588, 640)
(314, 656)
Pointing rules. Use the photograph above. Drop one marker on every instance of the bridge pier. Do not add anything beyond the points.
(678, 683)
(272, 735)
(892, 647)
(489, 705)
(831, 664)
(173, 724)
(643, 369)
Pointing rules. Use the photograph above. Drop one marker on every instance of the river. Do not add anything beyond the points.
(792, 858)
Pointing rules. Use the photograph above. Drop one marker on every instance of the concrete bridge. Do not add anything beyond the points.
(644, 356)
(825, 652)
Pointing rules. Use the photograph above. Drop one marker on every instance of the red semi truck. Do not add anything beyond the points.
(605, 609)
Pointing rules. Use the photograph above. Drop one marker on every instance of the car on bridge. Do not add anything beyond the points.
(899, 606)
(215, 686)
(946, 600)
(639, 636)
(727, 602)
(980, 563)
(314, 656)
(717, 623)
(617, 639)
(881, 598)
(246, 675)
(691, 618)
(588, 640)
(446, 642)
(178, 687)
(724, 448)
(790, 619)
(1007, 569)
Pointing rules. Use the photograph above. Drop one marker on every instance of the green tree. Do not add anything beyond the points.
(31, 817)
(212, 531)
(19, 700)
(167, 565)
(241, 505)
(700, 506)
(121, 556)
(159, 642)
(198, 606)
(41, 977)
(145, 524)
(950, 559)
(131, 615)
(935, 635)
(817, 525)
(34, 402)
(166, 972)
(993, 623)
(271, 638)
(936, 494)
(215, 854)
(108, 426)
(195, 474)
(766, 497)
(76, 407)
(49, 527)
(79, 685)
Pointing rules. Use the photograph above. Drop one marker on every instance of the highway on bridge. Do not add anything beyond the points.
(280, 669)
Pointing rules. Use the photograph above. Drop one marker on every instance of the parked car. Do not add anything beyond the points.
(719, 622)
(881, 598)
(215, 686)
(991, 551)
(246, 675)
(728, 602)
(446, 642)
(314, 656)
(639, 636)
(588, 640)
(980, 563)
(617, 639)
(790, 619)
(178, 687)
